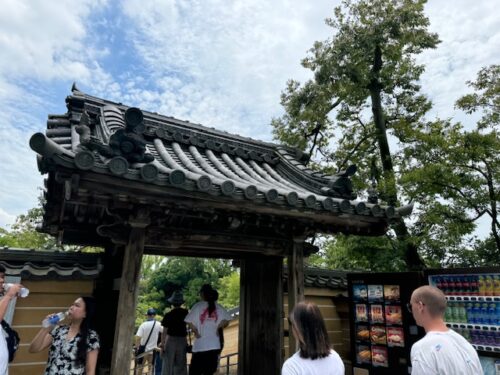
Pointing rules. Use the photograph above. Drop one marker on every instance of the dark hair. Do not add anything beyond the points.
(310, 330)
(90, 307)
(209, 295)
(2, 269)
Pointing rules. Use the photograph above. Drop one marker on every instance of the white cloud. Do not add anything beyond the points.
(215, 62)
(470, 39)
(6, 219)
(222, 63)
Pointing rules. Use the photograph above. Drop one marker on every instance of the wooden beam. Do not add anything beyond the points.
(295, 284)
(129, 287)
(261, 316)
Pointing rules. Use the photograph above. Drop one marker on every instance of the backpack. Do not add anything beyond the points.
(12, 340)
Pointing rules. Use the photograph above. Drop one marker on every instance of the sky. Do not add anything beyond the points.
(220, 63)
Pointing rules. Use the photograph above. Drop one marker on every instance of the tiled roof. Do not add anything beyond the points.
(322, 278)
(49, 265)
(171, 153)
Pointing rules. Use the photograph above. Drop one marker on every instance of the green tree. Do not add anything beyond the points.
(161, 276)
(230, 290)
(23, 234)
(455, 174)
(359, 253)
(364, 90)
(181, 273)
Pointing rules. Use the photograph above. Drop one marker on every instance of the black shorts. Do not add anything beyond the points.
(204, 363)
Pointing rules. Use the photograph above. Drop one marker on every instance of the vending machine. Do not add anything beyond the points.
(473, 296)
(382, 329)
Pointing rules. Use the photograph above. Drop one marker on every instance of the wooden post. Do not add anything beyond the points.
(295, 285)
(261, 316)
(129, 287)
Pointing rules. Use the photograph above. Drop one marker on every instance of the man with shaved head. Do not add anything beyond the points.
(441, 351)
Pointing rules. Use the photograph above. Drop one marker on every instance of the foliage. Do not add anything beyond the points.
(359, 253)
(455, 175)
(486, 99)
(365, 90)
(230, 290)
(23, 234)
(161, 278)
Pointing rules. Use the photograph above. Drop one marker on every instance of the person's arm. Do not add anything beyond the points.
(42, 340)
(225, 317)
(223, 324)
(164, 338)
(194, 329)
(137, 341)
(91, 362)
(138, 336)
(4, 302)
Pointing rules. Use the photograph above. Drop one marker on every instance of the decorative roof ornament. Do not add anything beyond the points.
(340, 184)
(372, 192)
(127, 142)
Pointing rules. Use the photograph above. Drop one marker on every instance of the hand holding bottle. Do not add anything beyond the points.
(15, 290)
(53, 319)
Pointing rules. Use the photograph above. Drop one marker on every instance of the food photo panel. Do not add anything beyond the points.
(376, 314)
(363, 354)
(393, 314)
(361, 313)
(375, 293)
(378, 335)
(379, 356)
(395, 337)
(359, 292)
(391, 293)
(362, 332)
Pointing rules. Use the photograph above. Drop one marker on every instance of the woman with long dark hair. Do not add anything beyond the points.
(205, 319)
(315, 356)
(73, 347)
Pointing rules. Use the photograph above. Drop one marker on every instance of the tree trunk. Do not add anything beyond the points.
(493, 205)
(412, 259)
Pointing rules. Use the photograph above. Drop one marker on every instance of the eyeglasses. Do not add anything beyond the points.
(409, 307)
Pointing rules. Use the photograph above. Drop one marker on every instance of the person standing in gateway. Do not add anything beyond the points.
(441, 351)
(205, 319)
(173, 338)
(147, 336)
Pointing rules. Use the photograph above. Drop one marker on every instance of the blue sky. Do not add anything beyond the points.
(221, 63)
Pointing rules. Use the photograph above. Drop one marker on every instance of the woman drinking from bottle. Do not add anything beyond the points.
(73, 347)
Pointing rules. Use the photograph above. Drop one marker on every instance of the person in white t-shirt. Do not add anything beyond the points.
(147, 336)
(441, 351)
(205, 319)
(315, 356)
(5, 299)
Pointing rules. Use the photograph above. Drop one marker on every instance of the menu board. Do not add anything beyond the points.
(378, 322)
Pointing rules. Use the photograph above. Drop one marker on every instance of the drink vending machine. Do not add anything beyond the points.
(473, 296)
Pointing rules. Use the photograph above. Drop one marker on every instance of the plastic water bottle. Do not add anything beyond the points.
(23, 292)
(54, 319)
